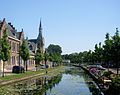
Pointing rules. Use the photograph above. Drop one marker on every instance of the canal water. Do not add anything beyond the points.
(74, 81)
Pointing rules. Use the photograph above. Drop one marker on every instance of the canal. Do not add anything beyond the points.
(74, 81)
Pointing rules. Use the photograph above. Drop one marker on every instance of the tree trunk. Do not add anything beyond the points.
(52, 64)
(3, 68)
(108, 65)
(117, 68)
(26, 65)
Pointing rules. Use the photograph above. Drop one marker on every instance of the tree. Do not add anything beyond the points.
(74, 58)
(24, 52)
(89, 56)
(98, 53)
(38, 57)
(46, 57)
(57, 58)
(50, 58)
(55, 53)
(115, 86)
(116, 49)
(54, 49)
(5, 49)
(107, 50)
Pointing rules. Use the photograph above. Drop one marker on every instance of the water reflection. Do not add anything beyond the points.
(73, 82)
(93, 88)
(37, 86)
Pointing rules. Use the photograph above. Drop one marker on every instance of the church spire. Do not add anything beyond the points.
(40, 30)
(40, 39)
(40, 26)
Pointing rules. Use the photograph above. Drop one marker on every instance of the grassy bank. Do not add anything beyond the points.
(30, 74)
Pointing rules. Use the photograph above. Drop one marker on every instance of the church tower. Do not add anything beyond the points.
(40, 39)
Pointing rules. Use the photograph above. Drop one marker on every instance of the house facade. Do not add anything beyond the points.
(15, 40)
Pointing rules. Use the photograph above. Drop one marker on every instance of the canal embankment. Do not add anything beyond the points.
(74, 81)
(98, 79)
(31, 74)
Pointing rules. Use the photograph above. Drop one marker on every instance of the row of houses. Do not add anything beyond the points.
(15, 39)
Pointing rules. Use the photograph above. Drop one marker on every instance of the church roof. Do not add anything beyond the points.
(32, 44)
(33, 40)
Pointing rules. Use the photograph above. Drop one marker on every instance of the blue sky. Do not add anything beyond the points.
(75, 25)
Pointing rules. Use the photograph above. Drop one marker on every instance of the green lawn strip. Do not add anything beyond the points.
(30, 74)
(21, 75)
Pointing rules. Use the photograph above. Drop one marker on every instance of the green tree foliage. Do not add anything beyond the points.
(54, 52)
(24, 52)
(65, 56)
(107, 49)
(54, 49)
(50, 58)
(116, 49)
(74, 58)
(89, 56)
(78, 58)
(98, 53)
(116, 85)
(5, 49)
(38, 57)
(57, 58)
(108, 53)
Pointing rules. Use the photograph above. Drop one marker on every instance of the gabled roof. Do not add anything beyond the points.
(33, 40)
(0, 24)
(11, 31)
(19, 35)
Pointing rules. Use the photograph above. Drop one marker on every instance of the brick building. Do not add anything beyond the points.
(15, 39)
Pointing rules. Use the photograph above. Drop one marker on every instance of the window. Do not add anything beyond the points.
(17, 59)
(13, 60)
(17, 47)
(13, 46)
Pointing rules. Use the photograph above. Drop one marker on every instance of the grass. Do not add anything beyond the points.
(51, 72)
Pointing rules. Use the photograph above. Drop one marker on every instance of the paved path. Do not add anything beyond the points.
(114, 70)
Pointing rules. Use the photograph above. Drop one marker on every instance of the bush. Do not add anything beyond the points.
(116, 83)
(107, 73)
(115, 86)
